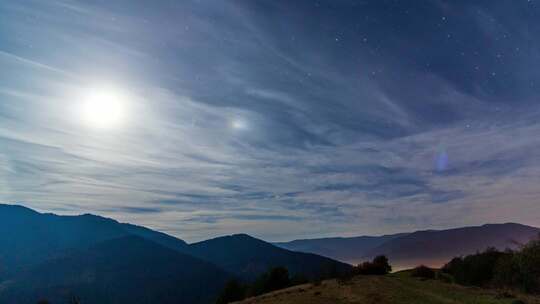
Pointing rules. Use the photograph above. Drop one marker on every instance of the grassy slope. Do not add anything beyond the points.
(391, 289)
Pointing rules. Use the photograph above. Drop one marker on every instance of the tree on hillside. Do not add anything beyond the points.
(299, 279)
(506, 272)
(276, 278)
(232, 292)
(379, 266)
(423, 272)
(475, 269)
(518, 269)
(381, 261)
(528, 265)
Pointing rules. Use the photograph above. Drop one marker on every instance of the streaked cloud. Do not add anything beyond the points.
(349, 126)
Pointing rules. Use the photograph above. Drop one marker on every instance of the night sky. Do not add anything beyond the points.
(281, 119)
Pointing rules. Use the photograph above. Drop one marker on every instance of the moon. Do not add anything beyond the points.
(103, 108)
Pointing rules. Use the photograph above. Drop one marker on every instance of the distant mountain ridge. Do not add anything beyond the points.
(341, 248)
(429, 247)
(103, 261)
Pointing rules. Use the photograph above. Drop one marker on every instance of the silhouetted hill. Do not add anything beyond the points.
(34, 237)
(124, 270)
(248, 257)
(104, 261)
(431, 247)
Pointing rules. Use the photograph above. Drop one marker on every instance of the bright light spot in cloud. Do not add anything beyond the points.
(238, 124)
(103, 108)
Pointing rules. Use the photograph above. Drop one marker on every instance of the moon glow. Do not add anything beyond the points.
(103, 108)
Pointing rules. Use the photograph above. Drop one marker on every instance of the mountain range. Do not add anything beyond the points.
(430, 247)
(100, 260)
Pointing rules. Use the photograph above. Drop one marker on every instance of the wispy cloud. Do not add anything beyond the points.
(343, 132)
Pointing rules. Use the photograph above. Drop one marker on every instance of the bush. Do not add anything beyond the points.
(528, 265)
(274, 279)
(379, 266)
(232, 292)
(445, 277)
(476, 269)
(510, 269)
(423, 272)
(506, 272)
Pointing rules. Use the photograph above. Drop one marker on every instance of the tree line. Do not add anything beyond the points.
(280, 278)
(511, 269)
(274, 279)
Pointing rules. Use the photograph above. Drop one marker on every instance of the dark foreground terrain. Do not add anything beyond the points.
(398, 288)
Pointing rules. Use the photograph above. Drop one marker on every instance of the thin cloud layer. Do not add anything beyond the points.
(278, 119)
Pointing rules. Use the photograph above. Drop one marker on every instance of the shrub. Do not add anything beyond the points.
(423, 272)
(379, 266)
(382, 262)
(232, 292)
(276, 278)
(445, 277)
(528, 264)
(454, 266)
(510, 269)
(476, 269)
(506, 272)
